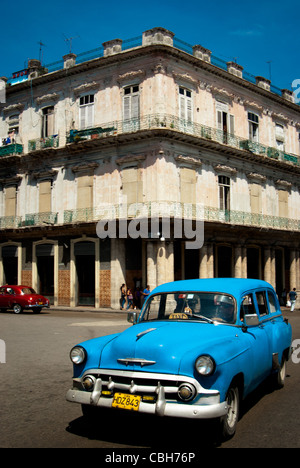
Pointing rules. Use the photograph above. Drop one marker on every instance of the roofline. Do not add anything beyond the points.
(148, 49)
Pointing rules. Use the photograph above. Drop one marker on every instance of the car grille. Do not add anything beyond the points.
(140, 385)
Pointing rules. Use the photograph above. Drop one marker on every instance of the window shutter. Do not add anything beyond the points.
(231, 124)
(45, 196)
(189, 109)
(90, 115)
(219, 120)
(135, 107)
(10, 201)
(126, 105)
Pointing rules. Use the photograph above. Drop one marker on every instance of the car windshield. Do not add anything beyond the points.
(204, 306)
(28, 291)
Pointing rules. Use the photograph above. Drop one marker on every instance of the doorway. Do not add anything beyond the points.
(45, 270)
(85, 273)
(10, 264)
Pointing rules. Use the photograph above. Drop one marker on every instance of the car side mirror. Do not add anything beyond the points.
(132, 317)
(251, 320)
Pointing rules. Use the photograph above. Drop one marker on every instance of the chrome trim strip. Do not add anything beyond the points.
(141, 361)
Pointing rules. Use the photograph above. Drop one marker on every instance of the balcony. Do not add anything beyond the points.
(10, 222)
(173, 123)
(40, 219)
(75, 136)
(177, 210)
(43, 143)
(11, 150)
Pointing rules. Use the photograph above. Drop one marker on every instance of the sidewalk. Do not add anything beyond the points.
(104, 310)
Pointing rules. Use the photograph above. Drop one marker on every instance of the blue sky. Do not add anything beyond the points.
(253, 33)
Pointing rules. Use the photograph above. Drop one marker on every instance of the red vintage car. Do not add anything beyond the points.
(18, 298)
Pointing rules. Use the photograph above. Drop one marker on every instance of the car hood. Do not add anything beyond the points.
(170, 347)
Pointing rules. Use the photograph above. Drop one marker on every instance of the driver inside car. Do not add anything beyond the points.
(225, 308)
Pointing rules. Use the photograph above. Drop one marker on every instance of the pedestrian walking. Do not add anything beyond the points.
(123, 295)
(293, 297)
(129, 298)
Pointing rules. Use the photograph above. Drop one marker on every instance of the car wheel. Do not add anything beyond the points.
(229, 422)
(17, 308)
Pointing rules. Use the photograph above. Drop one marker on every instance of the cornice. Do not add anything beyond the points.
(125, 55)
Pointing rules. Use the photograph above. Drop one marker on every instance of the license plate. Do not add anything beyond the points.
(125, 401)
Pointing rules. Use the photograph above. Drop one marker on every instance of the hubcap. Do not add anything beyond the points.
(232, 405)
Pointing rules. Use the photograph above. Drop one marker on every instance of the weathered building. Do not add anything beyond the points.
(160, 126)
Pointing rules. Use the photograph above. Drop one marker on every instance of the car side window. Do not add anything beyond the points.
(272, 302)
(262, 303)
(247, 306)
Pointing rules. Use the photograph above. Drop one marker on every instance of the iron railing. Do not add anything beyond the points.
(42, 143)
(11, 149)
(167, 209)
(179, 210)
(171, 122)
(39, 219)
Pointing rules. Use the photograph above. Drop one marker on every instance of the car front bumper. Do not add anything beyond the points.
(205, 405)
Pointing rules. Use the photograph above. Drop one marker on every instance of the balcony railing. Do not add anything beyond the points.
(40, 219)
(168, 209)
(182, 211)
(171, 122)
(43, 143)
(10, 222)
(11, 149)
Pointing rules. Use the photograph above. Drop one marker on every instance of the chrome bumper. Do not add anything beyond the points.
(206, 404)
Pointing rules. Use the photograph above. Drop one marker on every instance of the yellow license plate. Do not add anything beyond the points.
(125, 401)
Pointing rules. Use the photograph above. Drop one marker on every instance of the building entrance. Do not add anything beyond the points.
(10, 264)
(45, 270)
(85, 271)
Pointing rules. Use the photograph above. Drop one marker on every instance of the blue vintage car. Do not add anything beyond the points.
(197, 348)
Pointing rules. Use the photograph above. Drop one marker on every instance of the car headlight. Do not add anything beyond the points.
(205, 365)
(77, 355)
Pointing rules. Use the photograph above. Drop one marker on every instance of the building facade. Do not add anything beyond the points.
(153, 133)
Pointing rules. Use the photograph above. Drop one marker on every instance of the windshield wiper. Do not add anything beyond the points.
(203, 318)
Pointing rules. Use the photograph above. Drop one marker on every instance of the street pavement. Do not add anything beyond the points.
(37, 374)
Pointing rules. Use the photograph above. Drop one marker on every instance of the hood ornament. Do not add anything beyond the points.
(142, 362)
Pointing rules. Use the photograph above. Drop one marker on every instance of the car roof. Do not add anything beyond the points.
(234, 286)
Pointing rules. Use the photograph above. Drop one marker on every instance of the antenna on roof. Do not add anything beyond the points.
(69, 39)
(41, 50)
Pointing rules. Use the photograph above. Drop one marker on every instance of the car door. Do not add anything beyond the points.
(276, 327)
(5, 298)
(258, 341)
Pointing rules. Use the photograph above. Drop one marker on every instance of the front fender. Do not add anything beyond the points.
(232, 358)
(93, 348)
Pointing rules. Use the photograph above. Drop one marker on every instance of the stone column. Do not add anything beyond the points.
(210, 261)
(118, 272)
(244, 262)
(293, 270)
(238, 262)
(170, 261)
(151, 265)
(267, 265)
(161, 263)
(203, 262)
